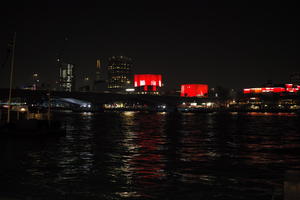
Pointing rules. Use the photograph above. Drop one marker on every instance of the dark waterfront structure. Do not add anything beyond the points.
(119, 73)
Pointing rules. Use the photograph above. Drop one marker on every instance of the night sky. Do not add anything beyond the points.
(232, 44)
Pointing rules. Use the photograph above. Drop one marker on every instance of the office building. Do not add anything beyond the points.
(98, 76)
(100, 84)
(66, 77)
(119, 73)
(36, 81)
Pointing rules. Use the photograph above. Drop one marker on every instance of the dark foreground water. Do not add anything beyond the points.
(134, 155)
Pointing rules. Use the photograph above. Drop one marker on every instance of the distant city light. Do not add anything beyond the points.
(22, 109)
(130, 90)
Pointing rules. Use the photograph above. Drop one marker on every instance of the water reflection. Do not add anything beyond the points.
(142, 161)
(139, 155)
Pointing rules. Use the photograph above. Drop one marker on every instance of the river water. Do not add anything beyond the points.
(138, 155)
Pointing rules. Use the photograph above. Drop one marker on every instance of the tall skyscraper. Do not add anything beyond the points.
(66, 77)
(99, 81)
(119, 73)
(98, 72)
(36, 81)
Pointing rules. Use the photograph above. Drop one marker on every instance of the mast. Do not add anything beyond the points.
(11, 76)
(49, 107)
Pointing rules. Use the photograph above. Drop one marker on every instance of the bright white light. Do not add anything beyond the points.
(129, 113)
(87, 113)
(23, 109)
(209, 104)
(142, 82)
(130, 90)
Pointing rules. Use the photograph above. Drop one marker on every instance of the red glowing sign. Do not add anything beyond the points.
(247, 91)
(288, 85)
(145, 80)
(279, 89)
(288, 88)
(194, 90)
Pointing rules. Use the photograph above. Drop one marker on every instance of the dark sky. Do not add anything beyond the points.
(232, 44)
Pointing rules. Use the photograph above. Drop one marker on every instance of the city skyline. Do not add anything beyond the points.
(232, 45)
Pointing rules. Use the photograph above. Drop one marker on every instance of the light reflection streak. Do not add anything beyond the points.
(270, 114)
(142, 164)
(76, 155)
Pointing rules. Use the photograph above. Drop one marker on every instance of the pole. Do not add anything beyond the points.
(11, 77)
(49, 108)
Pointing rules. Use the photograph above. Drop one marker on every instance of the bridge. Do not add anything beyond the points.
(100, 99)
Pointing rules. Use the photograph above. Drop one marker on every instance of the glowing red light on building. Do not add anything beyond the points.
(247, 90)
(148, 81)
(288, 85)
(194, 90)
(287, 88)
(279, 89)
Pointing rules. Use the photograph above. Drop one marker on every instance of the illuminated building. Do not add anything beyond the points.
(86, 84)
(287, 88)
(194, 90)
(147, 83)
(119, 73)
(98, 72)
(36, 81)
(66, 77)
(100, 85)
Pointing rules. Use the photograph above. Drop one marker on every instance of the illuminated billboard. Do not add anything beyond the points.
(149, 82)
(194, 90)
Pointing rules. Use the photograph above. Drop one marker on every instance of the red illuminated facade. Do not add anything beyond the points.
(147, 83)
(194, 90)
(287, 88)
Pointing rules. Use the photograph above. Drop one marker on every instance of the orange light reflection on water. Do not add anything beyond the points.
(270, 114)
